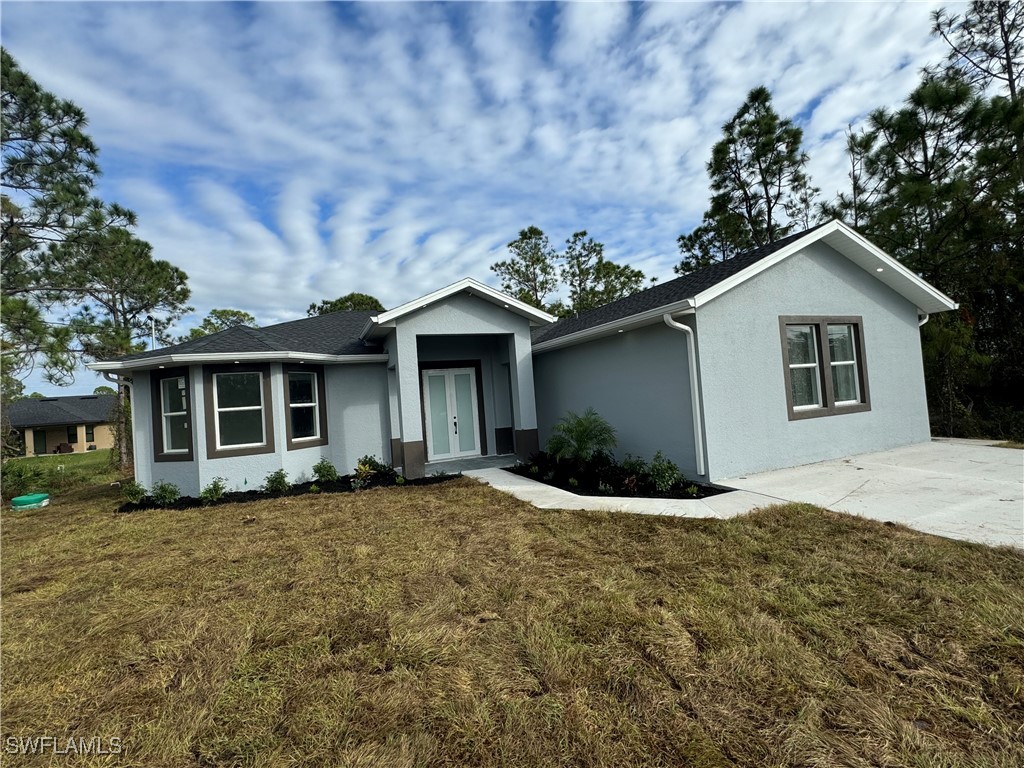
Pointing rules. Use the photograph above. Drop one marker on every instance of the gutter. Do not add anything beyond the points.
(686, 306)
(695, 400)
(922, 320)
(248, 357)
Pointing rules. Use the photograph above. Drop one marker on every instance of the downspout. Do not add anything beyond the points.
(691, 357)
(922, 320)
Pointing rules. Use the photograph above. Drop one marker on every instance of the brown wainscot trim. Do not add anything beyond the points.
(321, 400)
(156, 410)
(414, 458)
(829, 408)
(212, 451)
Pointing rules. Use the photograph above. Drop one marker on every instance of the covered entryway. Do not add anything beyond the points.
(451, 408)
(460, 376)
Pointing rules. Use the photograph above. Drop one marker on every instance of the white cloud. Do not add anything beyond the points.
(284, 153)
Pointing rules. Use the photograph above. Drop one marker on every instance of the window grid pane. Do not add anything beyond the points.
(845, 386)
(239, 390)
(304, 422)
(301, 388)
(804, 375)
(240, 427)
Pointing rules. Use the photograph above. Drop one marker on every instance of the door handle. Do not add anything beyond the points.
(455, 421)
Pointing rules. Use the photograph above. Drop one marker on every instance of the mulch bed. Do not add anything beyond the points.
(596, 478)
(341, 485)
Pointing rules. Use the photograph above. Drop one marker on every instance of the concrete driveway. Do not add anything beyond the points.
(963, 489)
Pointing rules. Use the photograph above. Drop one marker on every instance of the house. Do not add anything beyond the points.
(804, 350)
(70, 424)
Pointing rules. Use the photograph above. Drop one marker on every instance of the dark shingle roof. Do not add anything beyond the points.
(54, 411)
(334, 334)
(680, 289)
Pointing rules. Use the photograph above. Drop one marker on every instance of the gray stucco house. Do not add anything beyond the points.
(804, 350)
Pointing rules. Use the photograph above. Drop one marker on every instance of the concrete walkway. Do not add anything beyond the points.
(961, 489)
(548, 497)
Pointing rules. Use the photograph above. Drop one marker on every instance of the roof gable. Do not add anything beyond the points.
(467, 285)
(705, 285)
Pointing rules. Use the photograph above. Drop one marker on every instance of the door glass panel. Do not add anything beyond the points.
(437, 394)
(464, 411)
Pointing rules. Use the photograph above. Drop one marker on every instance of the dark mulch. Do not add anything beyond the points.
(603, 476)
(341, 485)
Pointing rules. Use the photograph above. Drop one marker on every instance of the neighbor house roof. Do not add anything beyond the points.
(332, 337)
(702, 286)
(59, 411)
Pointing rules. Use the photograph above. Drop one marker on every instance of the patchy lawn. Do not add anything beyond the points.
(58, 474)
(452, 625)
(1011, 444)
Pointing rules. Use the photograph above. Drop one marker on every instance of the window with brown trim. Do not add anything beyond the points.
(239, 410)
(171, 404)
(824, 365)
(305, 407)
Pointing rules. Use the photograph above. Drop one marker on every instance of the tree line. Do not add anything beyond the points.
(938, 183)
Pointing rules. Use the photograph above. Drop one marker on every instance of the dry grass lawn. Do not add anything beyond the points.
(452, 625)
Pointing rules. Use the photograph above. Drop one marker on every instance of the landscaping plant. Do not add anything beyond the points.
(581, 437)
(164, 493)
(215, 491)
(324, 472)
(276, 483)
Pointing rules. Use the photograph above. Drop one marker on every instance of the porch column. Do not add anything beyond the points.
(407, 374)
(524, 406)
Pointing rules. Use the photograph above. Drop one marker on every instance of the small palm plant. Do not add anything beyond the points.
(581, 437)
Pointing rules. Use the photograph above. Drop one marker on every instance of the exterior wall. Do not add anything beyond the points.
(741, 367)
(103, 437)
(639, 381)
(357, 424)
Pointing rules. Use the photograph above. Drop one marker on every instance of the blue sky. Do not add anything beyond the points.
(282, 153)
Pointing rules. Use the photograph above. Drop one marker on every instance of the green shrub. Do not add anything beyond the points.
(215, 491)
(164, 493)
(371, 472)
(314, 488)
(21, 477)
(581, 438)
(664, 474)
(133, 491)
(324, 472)
(276, 483)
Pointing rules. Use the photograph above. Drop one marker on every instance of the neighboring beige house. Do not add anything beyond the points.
(64, 424)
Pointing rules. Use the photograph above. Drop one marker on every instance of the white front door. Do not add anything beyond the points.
(450, 408)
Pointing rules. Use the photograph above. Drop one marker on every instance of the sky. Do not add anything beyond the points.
(283, 153)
